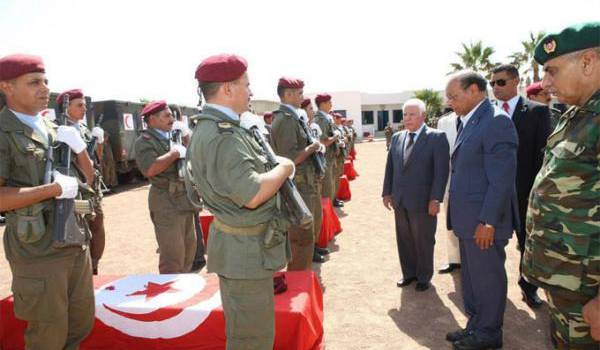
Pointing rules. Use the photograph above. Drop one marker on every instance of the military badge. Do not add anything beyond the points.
(550, 46)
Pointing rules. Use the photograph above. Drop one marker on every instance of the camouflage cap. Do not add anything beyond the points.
(573, 38)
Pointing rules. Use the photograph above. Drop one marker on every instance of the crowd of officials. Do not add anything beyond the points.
(506, 169)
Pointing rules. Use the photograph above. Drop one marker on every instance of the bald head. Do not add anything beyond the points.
(465, 90)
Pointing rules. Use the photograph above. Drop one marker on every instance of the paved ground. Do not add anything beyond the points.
(363, 307)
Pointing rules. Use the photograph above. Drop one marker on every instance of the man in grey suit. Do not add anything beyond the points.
(415, 179)
(482, 208)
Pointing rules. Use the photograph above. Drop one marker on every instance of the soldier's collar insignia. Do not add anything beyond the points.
(550, 46)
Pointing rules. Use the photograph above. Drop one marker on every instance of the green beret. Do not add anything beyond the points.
(574, 38)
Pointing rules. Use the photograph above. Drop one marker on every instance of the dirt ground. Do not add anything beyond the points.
(363, 307)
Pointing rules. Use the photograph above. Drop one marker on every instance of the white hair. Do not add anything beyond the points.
(414, 102)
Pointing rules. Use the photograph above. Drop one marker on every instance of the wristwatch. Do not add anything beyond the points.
(486, 225)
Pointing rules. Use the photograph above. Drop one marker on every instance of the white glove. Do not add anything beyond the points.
(322, 149)
(71, 137)
(342, 144)
(68, 185)
(98, 132)
(180, 149)
(284, 160)
(179, 125)
(337, 133)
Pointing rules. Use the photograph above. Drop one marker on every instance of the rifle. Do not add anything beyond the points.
(297, 211)
(66, 231)
(177, 138)
(93, 144)
(318, 158)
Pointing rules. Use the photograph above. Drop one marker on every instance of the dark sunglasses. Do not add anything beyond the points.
(500, 82)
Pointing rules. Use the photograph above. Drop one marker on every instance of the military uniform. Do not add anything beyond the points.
(95, 221)
(324, 121)
(170, 210)
(340, 157)
(563, 247)
(245, 246)
(52, 287)
(388, 136)
(288, 140)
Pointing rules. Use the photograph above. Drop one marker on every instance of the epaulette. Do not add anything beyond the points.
(225, 128)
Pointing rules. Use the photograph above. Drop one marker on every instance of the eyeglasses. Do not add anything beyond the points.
(500, 82)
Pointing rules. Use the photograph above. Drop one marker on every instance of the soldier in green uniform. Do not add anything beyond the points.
(247, 240)
(170, 209)
(289, 140)
(328, 138)
(75, 114)
(562, 252)
(318, 253)
(340, 155)
(52, 286)
(389, 131)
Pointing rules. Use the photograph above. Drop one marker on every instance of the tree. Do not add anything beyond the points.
(525, 56)
(433, 102)
(476, 57)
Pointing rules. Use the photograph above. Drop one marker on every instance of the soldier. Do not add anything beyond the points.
(52, 286)
(537, 93)
(75, 114)
(562, 253)
(388, 135)
(340, 156)
(328, 138)
(289, 140)
(170, 210)
(318, 253)
(248, 240)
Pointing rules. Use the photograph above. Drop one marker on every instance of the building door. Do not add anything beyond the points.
(382, 119)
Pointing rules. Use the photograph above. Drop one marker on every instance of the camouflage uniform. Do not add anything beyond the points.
(562, 253)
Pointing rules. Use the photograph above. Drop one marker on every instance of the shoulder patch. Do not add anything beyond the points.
(225, 127)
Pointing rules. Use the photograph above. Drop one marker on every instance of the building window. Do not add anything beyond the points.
(367, 117)
(397, 115)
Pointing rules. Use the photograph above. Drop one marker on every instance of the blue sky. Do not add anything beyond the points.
(129, 50)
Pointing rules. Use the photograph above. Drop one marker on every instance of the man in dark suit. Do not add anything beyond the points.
(482, 207)
(415, 180)
(532, 121)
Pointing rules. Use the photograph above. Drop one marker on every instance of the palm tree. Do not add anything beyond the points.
(476, 57)
(525, 57)
(433, 102)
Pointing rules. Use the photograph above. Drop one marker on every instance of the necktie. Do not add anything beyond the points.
(506, 108)
(459, 127)
(409, 146)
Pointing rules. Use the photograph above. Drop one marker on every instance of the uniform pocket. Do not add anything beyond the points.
(29, 303)
(30, 223)
(273, 248)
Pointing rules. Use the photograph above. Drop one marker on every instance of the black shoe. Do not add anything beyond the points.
(421, 287)
(2, 219)
(95, 271)
(405, 282)
(198, 265)
(318, 258)
(322, 251)
(449, 268)
(457, 335)
(532, 299)
(338, 203)
(472, 342)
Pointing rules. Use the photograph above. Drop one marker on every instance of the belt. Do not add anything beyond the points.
(254, 230)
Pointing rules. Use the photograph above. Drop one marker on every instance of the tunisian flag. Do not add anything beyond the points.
(181, 312)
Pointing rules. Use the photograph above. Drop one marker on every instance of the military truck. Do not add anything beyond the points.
(122, 123)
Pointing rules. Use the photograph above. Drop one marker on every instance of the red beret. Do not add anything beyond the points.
(290, 83)
(322, 98)
(534, 88)
(153, 107)
(13, 66)
(221, 68)
(268, 115)
(305, 103)
(73, 94)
